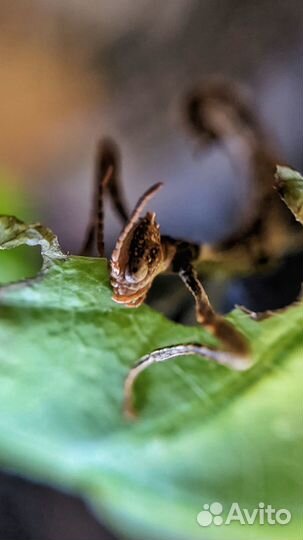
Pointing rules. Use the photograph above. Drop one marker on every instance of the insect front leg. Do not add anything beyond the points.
(233, 341)
(235, 351)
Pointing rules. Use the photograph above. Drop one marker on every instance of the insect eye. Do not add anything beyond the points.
(153, 254)
(137, 273)
(141, 272)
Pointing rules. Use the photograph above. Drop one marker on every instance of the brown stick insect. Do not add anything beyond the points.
(213, 112)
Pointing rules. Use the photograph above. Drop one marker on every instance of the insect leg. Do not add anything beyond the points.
(167, 353)
(206, 316)
(107, 175)
(235, 353)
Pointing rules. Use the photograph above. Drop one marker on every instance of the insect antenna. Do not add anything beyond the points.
(143, 200)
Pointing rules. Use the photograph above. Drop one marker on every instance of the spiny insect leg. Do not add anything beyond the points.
(107, 174)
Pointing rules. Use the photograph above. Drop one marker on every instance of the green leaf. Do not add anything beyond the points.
(21, 262)
(15, 233)
(205, 433)
(289, 184)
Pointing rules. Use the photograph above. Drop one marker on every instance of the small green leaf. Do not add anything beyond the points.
(22, 262)
(206, 433)
(289, 184)
(15, 233)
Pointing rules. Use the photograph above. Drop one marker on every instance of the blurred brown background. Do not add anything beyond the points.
(74, 70)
